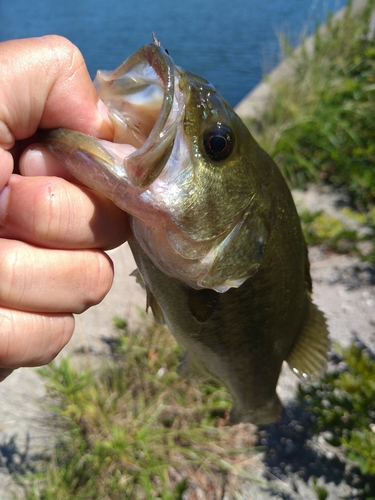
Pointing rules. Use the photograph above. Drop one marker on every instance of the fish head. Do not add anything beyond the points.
(182, 164)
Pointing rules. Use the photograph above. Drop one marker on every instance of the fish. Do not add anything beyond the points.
(215, 233)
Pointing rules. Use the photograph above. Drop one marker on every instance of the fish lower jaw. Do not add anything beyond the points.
(194, 274)
(198, 273)
(269, 413)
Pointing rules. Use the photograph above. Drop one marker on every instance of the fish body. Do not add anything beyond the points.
(216, 236)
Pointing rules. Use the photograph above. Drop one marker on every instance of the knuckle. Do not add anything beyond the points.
(59, 213)
(51, 204)
(55, 332)
(12, 267)
(6, 328)
(46, 335)
(65, 54)
(97, 280)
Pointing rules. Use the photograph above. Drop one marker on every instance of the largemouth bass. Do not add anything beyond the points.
(216, 236)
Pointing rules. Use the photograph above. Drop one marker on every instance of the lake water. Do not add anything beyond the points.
(231, 43)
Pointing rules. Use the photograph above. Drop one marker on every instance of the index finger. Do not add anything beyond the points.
(53, 213)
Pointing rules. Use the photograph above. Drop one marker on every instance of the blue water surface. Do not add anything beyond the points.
(231, 43)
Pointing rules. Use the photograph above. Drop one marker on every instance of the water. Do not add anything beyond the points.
(231, 43)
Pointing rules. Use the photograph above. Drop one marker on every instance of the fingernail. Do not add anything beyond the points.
(32, 162)
(4, 198)
(103, 110)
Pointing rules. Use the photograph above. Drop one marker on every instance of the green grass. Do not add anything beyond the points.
(344, 405)
(321, 126)
(131, 428)
(339, 233)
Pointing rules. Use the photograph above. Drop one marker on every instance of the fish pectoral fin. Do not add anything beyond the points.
(155, 308)
(202, 303)
(150, 298)
(308, 357)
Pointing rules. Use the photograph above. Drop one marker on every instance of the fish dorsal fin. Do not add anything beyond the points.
(138, 278)
(308, 357)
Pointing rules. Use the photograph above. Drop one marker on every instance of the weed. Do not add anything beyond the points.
(337, 234)
(344, 405)
(320, 126)
(133, 429)
(321, 492)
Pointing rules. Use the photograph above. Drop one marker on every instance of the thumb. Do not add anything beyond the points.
(45, 83)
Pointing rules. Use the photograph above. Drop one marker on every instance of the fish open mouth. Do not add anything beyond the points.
(145, 98)
(156, 175)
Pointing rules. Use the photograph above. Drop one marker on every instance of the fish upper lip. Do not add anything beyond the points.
(146, 162)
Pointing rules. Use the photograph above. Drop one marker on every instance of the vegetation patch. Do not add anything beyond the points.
(134, 429)
(344, 406)
(335, 233)
(320, 127)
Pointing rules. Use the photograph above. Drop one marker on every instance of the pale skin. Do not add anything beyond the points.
(52, 231)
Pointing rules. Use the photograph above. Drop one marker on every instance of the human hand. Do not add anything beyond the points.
(51, 230)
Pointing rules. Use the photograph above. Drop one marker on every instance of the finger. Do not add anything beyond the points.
(6, 167)
(29, 339)
(37, 160)
(45, 280)
(45, 83)
(51, 212)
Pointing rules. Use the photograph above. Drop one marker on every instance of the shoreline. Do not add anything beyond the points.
(255, 102)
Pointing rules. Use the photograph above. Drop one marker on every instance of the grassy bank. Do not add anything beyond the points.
(320, 126)
(130, 428)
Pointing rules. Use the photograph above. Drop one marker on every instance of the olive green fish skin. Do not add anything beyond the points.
(243, 336)
(216, 236)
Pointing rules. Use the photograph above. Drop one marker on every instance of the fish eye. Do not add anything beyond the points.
(218, 143)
